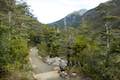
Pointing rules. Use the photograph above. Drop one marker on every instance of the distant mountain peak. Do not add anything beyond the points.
(80, 12)
(72, 19)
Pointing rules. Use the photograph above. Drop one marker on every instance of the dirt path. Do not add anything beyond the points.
(41, 70)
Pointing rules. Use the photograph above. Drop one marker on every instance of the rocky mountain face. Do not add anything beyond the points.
(71, 20)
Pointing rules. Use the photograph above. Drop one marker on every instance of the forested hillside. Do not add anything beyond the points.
(97, 15)
(15, 23)
(92, 49)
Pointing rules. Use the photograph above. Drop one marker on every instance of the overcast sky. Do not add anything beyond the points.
(48, 11)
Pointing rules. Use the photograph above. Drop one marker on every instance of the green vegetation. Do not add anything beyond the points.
(14, 40)
(92, 50)
(86, 53)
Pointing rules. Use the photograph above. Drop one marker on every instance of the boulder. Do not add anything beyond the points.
(63, 74)
(73, 74)
(56, 68)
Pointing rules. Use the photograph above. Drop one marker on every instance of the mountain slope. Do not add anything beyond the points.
(71, 20)
(95, 17)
